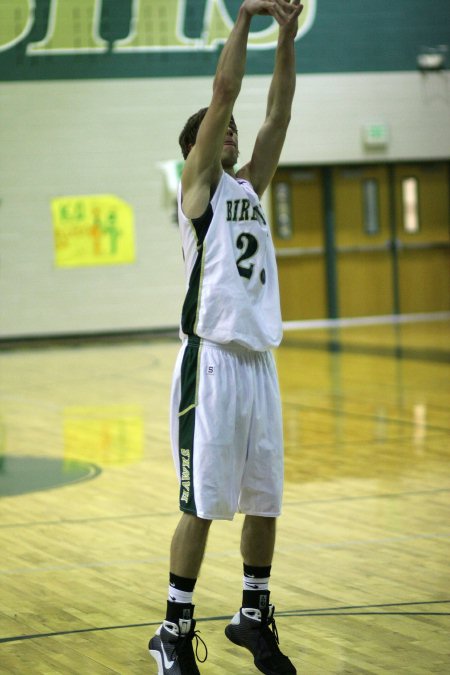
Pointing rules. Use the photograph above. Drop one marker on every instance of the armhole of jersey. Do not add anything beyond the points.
(241, 181)
(202, 223)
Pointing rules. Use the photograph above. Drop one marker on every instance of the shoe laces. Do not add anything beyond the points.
(269, 636)
(182, 647)
(197, 640)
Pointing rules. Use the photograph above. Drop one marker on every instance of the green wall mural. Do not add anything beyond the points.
(65, 39)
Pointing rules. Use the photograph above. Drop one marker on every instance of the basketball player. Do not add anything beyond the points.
(226, 424)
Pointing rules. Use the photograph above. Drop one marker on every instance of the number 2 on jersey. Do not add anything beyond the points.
(249, 243)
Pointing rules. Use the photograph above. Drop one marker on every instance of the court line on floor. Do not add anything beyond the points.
(367, 610)
(288, 612)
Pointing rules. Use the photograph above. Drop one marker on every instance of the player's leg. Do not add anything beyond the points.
(186, 556)
(202, 433)
(171, 646)
(253, 626)
(257, 548)
(258, 540)
(188, 545)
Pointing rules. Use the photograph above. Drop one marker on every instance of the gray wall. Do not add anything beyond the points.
(86, 137)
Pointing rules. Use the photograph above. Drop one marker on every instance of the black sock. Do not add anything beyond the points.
(179, 604)
(256, 594)
(179, 610)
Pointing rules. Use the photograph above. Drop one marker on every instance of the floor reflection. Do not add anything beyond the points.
(21, 475)
(107, 435)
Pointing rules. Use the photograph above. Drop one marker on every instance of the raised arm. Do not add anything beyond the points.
(270, 140)
(203, 165)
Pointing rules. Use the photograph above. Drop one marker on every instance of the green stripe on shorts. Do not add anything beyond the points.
(186, 421)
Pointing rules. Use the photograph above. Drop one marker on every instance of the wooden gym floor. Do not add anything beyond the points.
(361, 576)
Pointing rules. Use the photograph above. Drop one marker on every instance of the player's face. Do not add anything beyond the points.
(230, 146)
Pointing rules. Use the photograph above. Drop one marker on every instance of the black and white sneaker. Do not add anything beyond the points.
(172, 648)
(257, 632)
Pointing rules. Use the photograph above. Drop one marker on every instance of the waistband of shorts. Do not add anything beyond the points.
(232, 347)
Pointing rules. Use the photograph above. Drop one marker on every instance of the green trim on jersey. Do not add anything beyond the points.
(186, 422)
(189, 313)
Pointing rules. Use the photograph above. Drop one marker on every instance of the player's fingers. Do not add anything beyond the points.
(274, 11)
(289, 11)
(287, 6)
(281, 10)
(299, 9)
(267, 5)
(296, 9)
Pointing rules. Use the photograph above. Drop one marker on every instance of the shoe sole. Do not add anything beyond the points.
(157, 656)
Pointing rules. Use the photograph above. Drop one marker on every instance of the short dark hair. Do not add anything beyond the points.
(189, 134)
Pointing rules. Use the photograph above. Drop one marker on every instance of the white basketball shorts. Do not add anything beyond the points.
(226, 431)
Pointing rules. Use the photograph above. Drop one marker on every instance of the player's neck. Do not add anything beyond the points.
(230, 171)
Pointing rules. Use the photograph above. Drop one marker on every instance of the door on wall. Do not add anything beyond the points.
(391, 239)
(298, 234)
(422, 242)
(363, 240)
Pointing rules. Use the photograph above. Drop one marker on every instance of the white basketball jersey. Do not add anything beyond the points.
(232, 283)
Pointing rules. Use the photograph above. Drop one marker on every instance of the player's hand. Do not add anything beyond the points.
(290, 28)
(285, 12)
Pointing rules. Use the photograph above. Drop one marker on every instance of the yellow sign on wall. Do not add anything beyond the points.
(92, 230)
